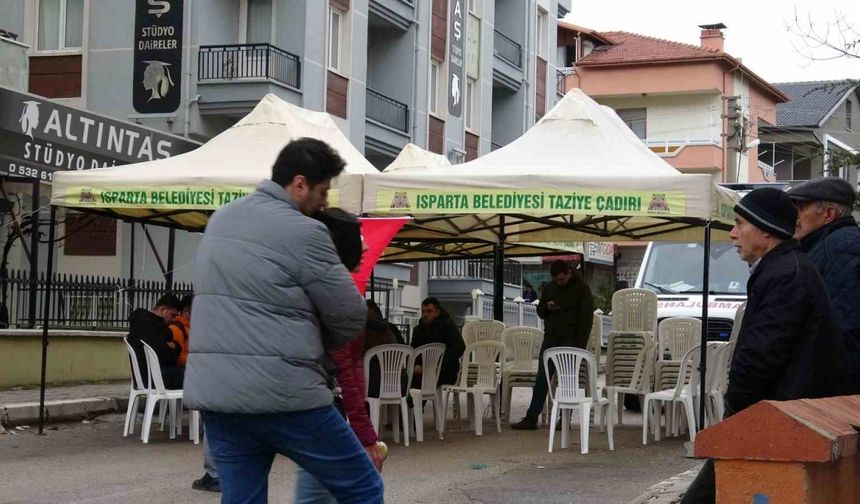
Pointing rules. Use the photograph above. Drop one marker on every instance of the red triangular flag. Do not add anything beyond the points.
(377, 235)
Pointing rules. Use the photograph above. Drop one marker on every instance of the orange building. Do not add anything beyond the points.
(698, 107)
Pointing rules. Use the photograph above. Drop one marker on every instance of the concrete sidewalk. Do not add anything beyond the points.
(63, 402)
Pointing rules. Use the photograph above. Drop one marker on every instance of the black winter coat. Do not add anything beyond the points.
(442, 330)
(835, 250)
(147, 327)
(788, 346)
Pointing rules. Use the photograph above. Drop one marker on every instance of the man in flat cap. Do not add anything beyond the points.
(830, 237)
(788, 346)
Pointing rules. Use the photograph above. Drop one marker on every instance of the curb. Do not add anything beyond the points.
(668, 491)
(64, 410)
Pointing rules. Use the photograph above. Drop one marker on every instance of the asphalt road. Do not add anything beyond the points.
(93, 463)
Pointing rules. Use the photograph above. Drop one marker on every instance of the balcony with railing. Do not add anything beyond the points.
(238, 75)
(508, 49)
(475, 268)
(561, 79)
(387, 111)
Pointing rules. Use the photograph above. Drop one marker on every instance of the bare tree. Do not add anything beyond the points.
(837, 37)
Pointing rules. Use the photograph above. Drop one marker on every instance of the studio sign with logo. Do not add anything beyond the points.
(157, 56)
(38, 137)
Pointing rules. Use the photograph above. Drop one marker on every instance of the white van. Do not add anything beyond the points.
(674, 272)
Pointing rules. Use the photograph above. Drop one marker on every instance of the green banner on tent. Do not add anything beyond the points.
(543, 201)
(164, 197)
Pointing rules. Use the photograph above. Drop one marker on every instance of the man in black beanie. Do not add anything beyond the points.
(788, 346)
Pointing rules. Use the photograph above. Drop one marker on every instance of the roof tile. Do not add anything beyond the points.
(629, 47)
(810, 101)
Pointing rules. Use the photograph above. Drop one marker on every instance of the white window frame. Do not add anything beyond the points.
(473, 106)
(542, 33)
(243, 22)
(61, 42)
(629, 122)
(332, 12)
(433, 89)
(474, 7)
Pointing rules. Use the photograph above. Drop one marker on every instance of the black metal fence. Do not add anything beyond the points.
(507, 49)
(387, 111)
(242, 61)
(79, 301)
(475, 268)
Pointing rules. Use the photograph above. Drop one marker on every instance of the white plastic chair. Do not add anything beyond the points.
(482, 330)
(523, 345)
(569, 393)
(684, 392)
(736, 326)
(158, 393)
(138, 389)
(639, 383)
(718, 378)
(393, 360)
(484, 356)
(431, 364)
(634, 311)
(676, 335)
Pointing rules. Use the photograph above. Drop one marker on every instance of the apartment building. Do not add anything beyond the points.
(698, 107)
(458, 77)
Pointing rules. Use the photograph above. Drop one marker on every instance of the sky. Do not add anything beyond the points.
(756, 31)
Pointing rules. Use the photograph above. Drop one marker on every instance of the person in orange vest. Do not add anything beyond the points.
(180, 328)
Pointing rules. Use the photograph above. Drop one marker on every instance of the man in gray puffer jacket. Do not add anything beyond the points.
(271, 297)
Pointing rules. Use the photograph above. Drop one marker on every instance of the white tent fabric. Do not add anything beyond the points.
(579, 174)
(184, 189)
(414, 158)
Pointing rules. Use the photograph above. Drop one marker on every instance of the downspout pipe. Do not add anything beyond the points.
(186, 123)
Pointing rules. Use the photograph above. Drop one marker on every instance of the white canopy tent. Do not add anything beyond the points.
(182, 191)
(580, 174)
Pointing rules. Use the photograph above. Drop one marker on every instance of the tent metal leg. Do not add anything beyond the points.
(706, 270)
(34, 256)
(499, 273)
(46, 320)
(131, 284)
(154, 251)
(171, 254)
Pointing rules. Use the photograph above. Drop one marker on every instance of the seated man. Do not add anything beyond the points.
(150, 327)
(436, 326)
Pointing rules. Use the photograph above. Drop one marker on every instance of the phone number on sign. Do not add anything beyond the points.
(30, 172)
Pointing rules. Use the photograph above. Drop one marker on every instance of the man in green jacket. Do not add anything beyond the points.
(567, 308)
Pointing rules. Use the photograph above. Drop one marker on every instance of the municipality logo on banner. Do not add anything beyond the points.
(400, 201)
(29, 117)
(658, 203)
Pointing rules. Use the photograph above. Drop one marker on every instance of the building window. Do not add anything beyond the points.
(434, 87)
(542, 31)
(256, 18)
(474, 7)
(472, 105)
(848, 111)
(636, 120)
(335, 39)
(61, 24)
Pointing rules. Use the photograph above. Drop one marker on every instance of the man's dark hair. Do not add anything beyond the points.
(312, 158)
(559, 266)
(432, 301)
(185, 302)
(168, 300)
